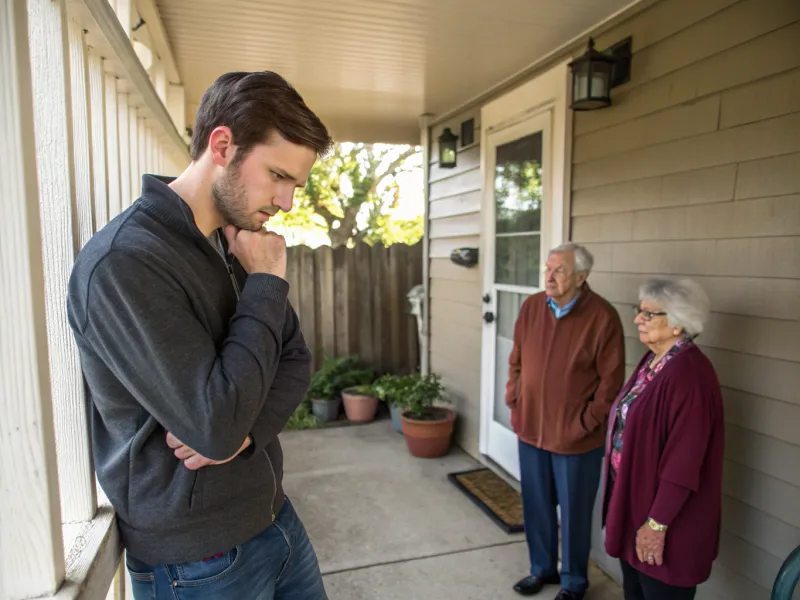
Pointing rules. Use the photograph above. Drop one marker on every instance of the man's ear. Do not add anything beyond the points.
(221, 146)
(582, 276)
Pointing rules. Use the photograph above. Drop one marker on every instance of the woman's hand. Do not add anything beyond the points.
(650, 545)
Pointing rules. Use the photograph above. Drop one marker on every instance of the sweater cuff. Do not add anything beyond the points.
(271, 286)
(668, 502)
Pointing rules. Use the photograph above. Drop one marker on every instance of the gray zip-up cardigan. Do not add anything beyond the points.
(174, 337)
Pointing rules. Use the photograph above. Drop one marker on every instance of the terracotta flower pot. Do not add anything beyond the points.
(359, 407)
(429, 438)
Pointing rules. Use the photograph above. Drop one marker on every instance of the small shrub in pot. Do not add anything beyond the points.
(327, 384)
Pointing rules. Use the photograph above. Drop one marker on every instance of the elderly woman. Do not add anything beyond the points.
(664, 452)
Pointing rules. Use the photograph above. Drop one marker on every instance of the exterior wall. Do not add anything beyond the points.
(455, 292)
(695, 170)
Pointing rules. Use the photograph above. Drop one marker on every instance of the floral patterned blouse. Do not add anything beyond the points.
(643, 377)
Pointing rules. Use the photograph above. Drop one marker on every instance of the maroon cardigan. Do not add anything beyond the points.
(671, 469)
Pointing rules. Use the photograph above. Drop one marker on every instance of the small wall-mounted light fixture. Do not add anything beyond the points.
(448, 146)
(595, 74)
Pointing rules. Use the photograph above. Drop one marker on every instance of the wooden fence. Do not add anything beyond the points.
(353, 301)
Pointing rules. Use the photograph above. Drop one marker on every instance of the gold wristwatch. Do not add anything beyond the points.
(655, 525)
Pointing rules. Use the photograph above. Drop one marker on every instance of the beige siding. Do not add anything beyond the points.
(695, 170)
(455, 292)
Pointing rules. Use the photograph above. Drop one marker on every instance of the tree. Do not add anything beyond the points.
(353, 193)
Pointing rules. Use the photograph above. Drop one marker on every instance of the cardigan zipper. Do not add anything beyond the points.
(238, 291)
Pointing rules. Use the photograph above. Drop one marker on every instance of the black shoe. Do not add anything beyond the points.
(533, 585)
(567, 595)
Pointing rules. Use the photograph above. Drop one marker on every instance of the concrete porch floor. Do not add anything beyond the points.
(387, 526)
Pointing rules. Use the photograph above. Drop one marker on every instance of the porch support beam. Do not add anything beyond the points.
(97, 100)
(113, 163)
(158, 34)
(54, 117)
(176, 105)
(32, 563)
(425, 142)
(108, 36)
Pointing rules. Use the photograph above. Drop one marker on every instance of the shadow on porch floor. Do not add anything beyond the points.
(387, 526)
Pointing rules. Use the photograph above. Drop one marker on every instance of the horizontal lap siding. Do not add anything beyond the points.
(695, 171)
(455, 292)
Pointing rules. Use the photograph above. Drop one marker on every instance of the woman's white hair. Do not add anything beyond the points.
(685, 302)
(584, 261)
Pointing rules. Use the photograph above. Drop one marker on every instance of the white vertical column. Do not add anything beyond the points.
(124, 124)
(113, 162)
(159, 75)
(176, 107)
(97, 101)
(32, 560)
(53, 115)
(142, 156)
(134, 143)
(159, 158)
(81, 134)
(148, 144)
(124, 10)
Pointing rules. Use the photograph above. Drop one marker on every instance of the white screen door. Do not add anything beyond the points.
(516, 206)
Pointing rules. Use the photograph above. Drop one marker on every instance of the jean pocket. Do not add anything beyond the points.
(143, 583)
(209, 570)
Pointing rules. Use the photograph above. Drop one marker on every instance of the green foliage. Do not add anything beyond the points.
(353, 194)
(337, 374)
(302, 418)
(416, 394)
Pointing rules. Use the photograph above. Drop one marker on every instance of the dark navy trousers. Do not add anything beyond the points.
(569, 481)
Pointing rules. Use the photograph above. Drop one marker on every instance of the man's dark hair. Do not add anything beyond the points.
(253, 106)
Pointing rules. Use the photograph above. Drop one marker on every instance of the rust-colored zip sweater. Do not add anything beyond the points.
(564, 374)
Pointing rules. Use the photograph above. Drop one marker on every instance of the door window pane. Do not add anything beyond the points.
(518, 185)
(517, 260)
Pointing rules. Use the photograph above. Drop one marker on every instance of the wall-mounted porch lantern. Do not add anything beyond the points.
(595, 74)
(448, 147)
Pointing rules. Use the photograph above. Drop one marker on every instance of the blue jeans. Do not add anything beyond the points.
(569, 481)
(278, 564)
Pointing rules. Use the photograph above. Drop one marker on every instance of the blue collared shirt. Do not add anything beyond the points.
(559, 312)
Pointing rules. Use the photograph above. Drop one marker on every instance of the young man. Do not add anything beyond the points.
(565, 369)
(194, 359)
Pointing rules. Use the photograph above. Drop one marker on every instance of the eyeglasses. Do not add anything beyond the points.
(648, 315)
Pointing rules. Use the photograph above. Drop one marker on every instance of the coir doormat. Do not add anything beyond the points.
(501, 502)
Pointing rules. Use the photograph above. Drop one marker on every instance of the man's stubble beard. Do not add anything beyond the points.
(230, 200)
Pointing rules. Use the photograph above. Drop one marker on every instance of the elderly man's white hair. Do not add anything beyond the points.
(584, 261)
(685, 302)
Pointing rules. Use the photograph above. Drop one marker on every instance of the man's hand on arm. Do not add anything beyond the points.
(192, 460)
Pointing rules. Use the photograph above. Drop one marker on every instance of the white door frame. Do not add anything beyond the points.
(546, 94)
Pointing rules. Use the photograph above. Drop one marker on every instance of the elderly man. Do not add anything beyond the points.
(565, 369)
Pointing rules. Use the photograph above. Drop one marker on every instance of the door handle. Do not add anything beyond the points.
(488, 316)
(486, 298)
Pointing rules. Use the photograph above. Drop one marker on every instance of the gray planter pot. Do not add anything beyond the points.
(396, 422)
(326, 410)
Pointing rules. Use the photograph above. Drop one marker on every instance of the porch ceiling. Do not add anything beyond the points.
(370, 68)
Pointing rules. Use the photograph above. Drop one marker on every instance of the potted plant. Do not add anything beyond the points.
(428, 428)
(360, 403)
(327, 384)
(324, 404)
(392, 390)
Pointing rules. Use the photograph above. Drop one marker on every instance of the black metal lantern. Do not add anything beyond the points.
(448, 148)
(592, 79)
